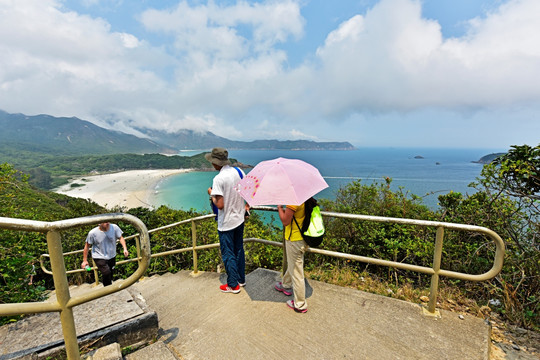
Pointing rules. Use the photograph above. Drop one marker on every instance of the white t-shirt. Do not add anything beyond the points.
(232, 214)
(104, 242)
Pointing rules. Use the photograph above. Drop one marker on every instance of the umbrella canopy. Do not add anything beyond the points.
(281, 181)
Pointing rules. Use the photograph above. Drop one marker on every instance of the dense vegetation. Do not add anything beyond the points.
(506, 201)
(49, 171)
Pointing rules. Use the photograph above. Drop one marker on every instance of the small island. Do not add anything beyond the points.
(486, 159)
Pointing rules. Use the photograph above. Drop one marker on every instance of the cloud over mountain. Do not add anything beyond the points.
(227, 67)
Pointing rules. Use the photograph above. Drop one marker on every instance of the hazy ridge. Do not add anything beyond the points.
(73, 136)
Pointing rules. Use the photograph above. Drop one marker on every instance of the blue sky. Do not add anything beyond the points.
(399, 73)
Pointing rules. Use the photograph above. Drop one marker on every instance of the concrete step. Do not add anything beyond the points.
(155, 351)
(121, 317)
(74, 290)
(109, 352)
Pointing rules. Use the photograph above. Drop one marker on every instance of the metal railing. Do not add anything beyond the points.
(64, 302)
(435, 270)
(194, 248)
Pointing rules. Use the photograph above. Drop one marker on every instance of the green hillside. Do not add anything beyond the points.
(51, 149)
(19, 251)
(48, 171)
(69, 136)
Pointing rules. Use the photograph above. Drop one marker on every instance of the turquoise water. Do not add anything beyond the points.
(438, 172)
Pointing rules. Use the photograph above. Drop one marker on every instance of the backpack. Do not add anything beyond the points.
(312, 229)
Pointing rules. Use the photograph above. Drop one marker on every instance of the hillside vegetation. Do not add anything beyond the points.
(69, 136)
(49, 171)
(51, 149)
(506, 201)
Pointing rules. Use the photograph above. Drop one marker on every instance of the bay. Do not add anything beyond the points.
(424, 172)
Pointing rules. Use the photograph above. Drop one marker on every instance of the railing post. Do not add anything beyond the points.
(62, 294)
(96, 275)
(194, 242)
(138, 246)
(437, 254)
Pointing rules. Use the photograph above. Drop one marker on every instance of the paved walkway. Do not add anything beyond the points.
(197, 321)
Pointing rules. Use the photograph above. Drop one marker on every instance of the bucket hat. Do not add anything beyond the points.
(218, 156)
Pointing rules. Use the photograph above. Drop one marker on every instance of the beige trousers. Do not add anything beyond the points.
(294, 274)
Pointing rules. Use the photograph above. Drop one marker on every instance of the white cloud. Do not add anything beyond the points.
(393, 59)
(63, 63)
(129, 40)
(224, 67)
(296, 134)
(216, 29)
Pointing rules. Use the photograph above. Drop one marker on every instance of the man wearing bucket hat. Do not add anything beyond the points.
(230, 218)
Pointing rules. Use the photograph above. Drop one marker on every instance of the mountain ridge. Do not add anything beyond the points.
(71, 135)
(191, 140)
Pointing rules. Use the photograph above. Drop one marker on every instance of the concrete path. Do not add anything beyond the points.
(197, 321)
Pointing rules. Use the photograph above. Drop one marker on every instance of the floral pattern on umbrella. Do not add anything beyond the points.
(281, 181)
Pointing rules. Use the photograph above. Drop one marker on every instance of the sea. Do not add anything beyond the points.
(427, 173)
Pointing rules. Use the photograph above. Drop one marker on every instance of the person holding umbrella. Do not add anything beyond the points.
(295, 247)
(294, 182)
(230, 218)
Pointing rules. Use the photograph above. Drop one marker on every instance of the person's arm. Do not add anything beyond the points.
(123, 243)
(85, 255)
(218, 201)
(285, 215)
(216, 192)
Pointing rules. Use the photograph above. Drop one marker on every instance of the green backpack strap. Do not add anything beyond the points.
(316, 225)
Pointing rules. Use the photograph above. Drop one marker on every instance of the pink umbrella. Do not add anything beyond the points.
(281, 182)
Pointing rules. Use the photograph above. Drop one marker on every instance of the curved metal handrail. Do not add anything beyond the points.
(64, 302)
(134, 236)
(435, 271)
(497, 261)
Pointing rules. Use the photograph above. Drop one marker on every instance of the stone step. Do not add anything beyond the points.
(122, 317)
(156, 351)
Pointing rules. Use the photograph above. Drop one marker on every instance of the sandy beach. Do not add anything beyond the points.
(127, 189)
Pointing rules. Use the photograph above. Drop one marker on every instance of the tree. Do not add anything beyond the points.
(516, 176)
(516, 173)
(39, 178)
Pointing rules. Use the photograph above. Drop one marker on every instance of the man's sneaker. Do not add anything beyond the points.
(279, 287)
(290, 304)
(242, 284)
(227, 289)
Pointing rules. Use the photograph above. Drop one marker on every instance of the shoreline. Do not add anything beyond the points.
(125, 189)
